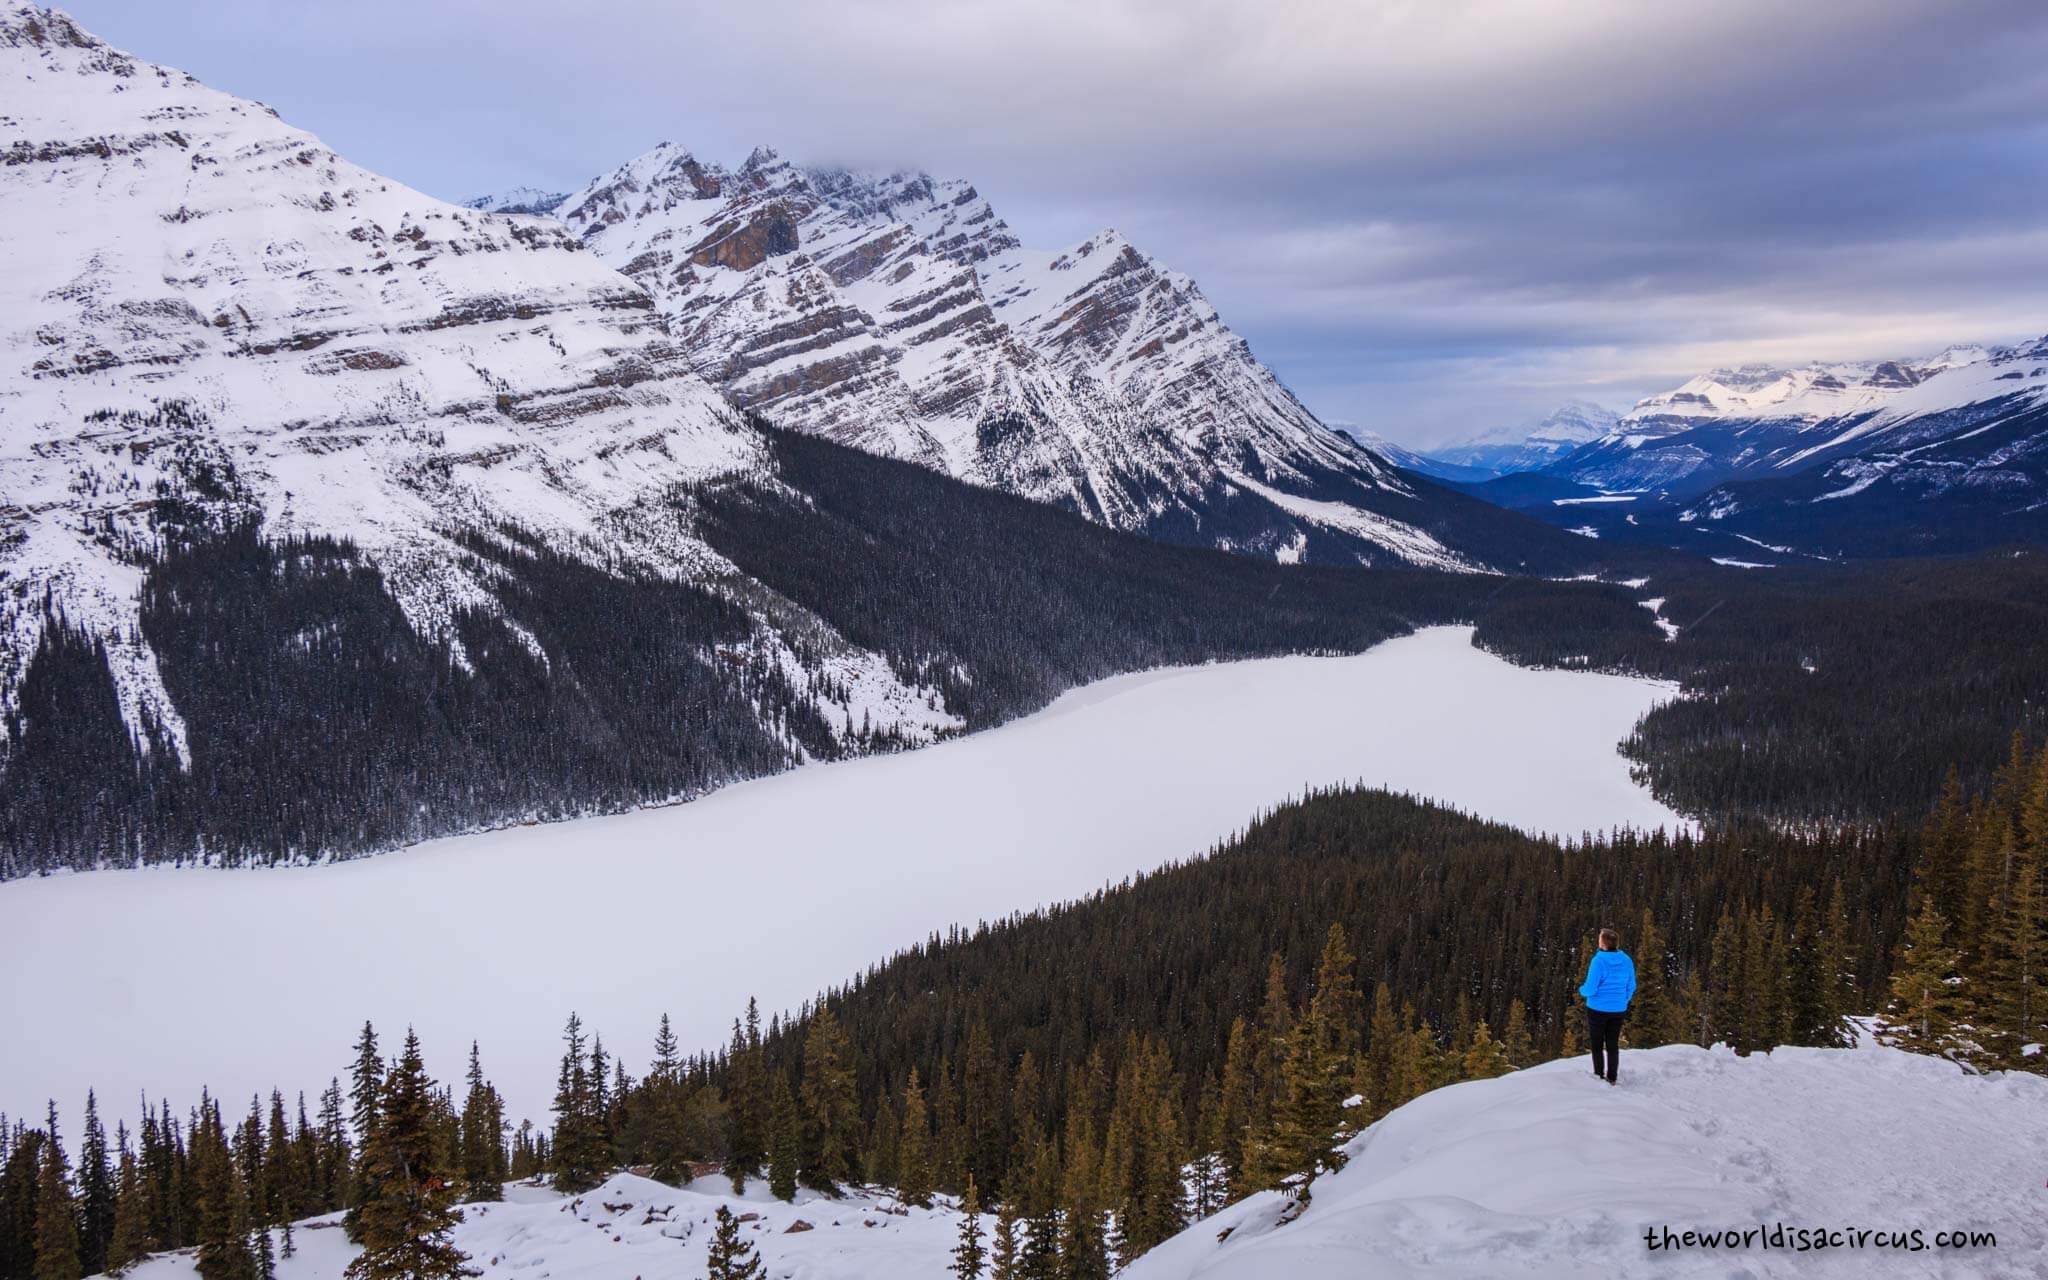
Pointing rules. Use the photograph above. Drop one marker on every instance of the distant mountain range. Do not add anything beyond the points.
(1947, 452)
(1534, 446)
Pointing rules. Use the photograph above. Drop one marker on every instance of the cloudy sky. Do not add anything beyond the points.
(1431, 217)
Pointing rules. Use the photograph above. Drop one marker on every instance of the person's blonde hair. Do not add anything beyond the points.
(1610, 938)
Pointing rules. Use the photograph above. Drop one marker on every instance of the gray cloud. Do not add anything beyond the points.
(1428, 215)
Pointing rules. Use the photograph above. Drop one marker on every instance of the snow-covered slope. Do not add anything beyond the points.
(208, 317)
(1549, 1172)
(1533, 445)
(900, 314)
(632, 1226)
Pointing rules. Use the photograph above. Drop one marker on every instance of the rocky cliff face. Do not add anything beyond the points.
(901, 314)
(209, 319)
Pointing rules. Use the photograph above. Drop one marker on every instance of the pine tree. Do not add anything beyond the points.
(731, 1258)
(914, 1171)
(580, 1154)
(969, 1254)
(220, 1207)
(95, 1191)
(130, 1240)
(483, 1144)
(831, 1111)
(2013, 1008)
(366, 1078)
(981, 1099)
(663, 1110)
(1274, 1043)
(1484, 1058)
(747, 1095)
(56, 1222)
(783, 1136)
(1515, 1042)
(1238, 1100)
(1924, 999)
(1652, 1018)
(408, 1196)
(1003, 1250)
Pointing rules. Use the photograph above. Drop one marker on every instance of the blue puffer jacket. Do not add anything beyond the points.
(1610, 982)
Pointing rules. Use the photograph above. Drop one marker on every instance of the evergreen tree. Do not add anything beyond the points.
(580, 1155)
(831, 1112)
(982, 1112)
(1652, 1018)
(1484, 1058)
(130, 1241)
(731, 1258)
(1003, 1257)
(747, 1094)
(2013, 1010)
(1515, 1042)
(56, 1218)
(483, 1143)
(969, 1254)
(95, 1191)
(220, 1206)
(1924, 997)
(1239, 1100)
(664, 1107)
(783, 1139)
(408, 1196)
(914, 1173)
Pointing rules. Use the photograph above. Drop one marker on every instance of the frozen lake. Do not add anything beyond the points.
(164, 980)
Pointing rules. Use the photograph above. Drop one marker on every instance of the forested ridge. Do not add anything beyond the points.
(321, 724)
(1105, 1071)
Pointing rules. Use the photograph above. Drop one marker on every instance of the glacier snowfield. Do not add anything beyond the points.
(164, 979)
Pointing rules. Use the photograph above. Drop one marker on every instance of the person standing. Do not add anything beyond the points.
(1610, 984)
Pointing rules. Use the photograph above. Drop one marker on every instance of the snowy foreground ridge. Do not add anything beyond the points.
(1545, 1172)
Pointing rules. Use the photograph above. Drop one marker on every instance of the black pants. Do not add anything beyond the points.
(1604, 1031)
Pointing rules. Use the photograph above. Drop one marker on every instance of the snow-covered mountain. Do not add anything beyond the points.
(900, 314)
(518, 200)
(210, 319)
(1764, 420)
(1533, 445)
(1409, 459)
(1945, 452)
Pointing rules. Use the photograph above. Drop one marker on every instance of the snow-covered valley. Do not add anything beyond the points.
(245, 979)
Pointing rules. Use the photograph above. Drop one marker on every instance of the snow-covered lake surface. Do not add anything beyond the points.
(164, 980)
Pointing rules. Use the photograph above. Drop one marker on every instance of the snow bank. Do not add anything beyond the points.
(1549, 1172)
(244, 979)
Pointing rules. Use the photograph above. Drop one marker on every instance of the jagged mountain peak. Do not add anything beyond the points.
(900, 313)
(211, 319)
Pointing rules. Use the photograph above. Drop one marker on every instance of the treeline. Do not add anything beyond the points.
(395, 1151)
(1833, 693)
(1970, 977)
